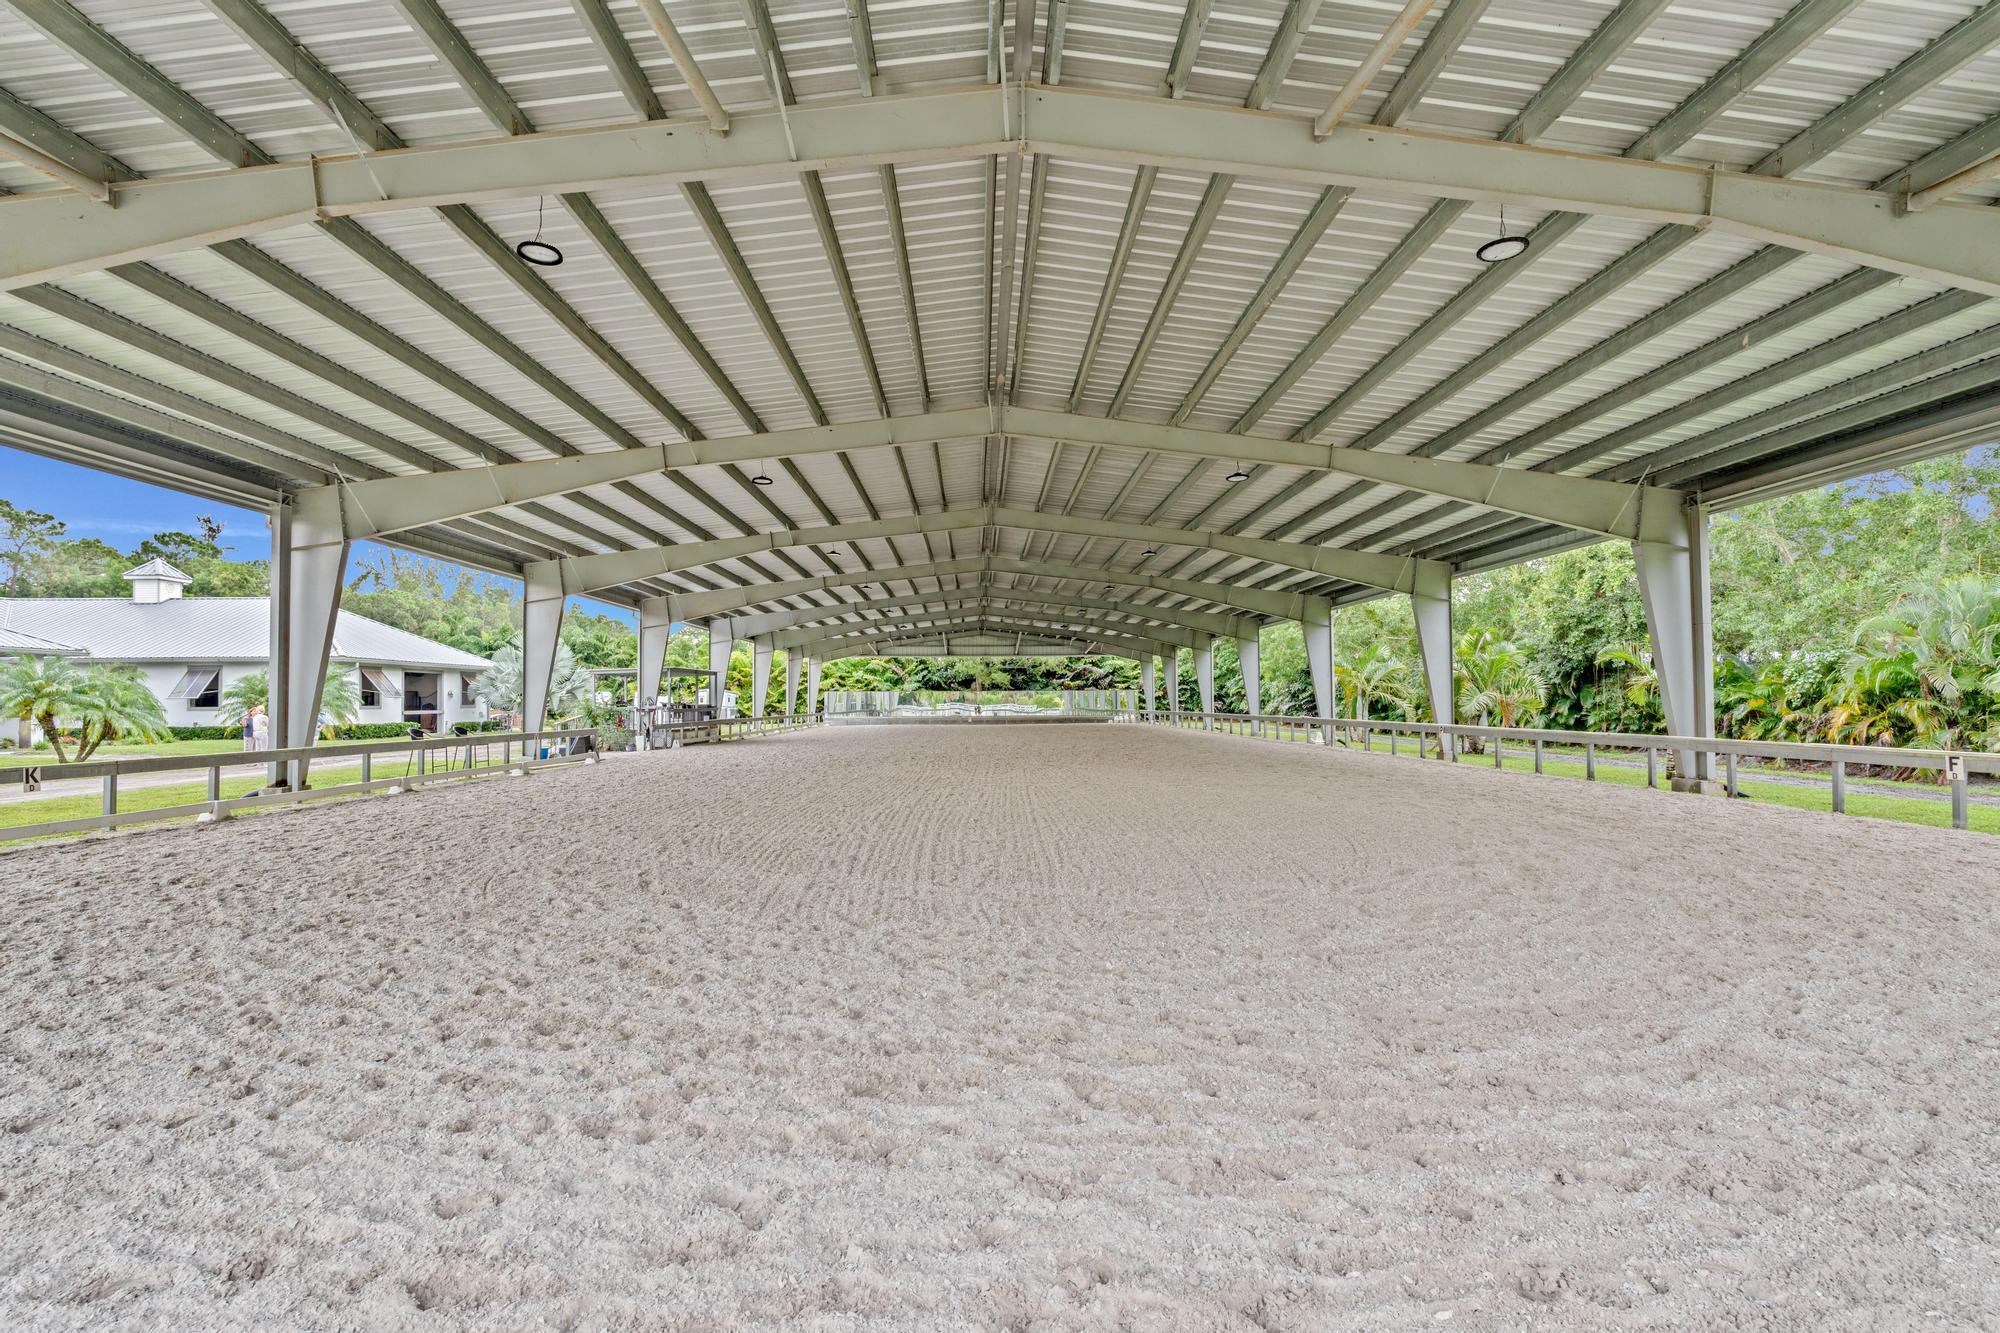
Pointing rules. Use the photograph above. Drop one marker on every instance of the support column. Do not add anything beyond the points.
(309, 555)
(1249, 658)
(1431, 603)
(721, 644)
(791, 681)
(1204, 680)
(1673, 584)
(812, 684)
(541, 630)
(1173, 661)
(1318, 627)
(655, 626)
(760, 674)
(1149, 672)
(1701, 592)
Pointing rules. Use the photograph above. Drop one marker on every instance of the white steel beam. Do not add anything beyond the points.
(1193, 622)
(1250, 601)
(47, 236)
(1610, 509)
(987, 601)
(1392, 573)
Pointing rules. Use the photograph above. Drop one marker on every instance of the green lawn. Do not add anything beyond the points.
(14, 814)
(22, 758)
(1556, 763)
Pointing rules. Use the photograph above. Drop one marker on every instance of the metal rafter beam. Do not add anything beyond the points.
(1611, 509)
(1284, 48)
(991, 605)
(1390, 573)
(623, 66)
(62, 24)
(892, 203)
(984, 592)
(445, 41)
(1118, 643)
(937, 643)
(1194, 22)
(1972, 38)
(26, 125)
(48, 236)
(1228, 598)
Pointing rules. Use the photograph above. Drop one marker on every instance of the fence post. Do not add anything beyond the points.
(1538, 754)
(1589, 761)
(1840, 786)
(1652, 767)
(215, 782)
(1961, 813)
(1496, 751)
(111, 792)
(1729, 773)
(367, 767)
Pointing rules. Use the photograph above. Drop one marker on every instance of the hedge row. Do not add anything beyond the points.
(207, 733)
(372, 731)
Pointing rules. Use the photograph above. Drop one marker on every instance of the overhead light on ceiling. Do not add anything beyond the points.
(1150, 550)
(762, 479)
(540, 253)
(1237, 475)
(1502, 247)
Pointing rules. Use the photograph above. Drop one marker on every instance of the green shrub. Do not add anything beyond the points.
(476, 728)
(372, 731)
(207, 733)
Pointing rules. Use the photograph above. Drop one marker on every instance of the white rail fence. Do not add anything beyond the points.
(424, 762)
(1448, 741)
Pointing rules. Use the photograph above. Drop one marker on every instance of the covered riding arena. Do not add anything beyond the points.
(1066, 327)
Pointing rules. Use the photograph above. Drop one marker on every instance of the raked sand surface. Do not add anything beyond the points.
(991, 1027)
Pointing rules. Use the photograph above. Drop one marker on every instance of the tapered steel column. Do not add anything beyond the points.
(1318, 627)
(1249, 657)
(760, 674)
(720, 645)
(1204, 680)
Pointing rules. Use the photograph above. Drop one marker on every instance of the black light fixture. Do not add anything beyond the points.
(1502, 247)
(1150, 550)
(1237, 475)
(762, 479)
(540, 253)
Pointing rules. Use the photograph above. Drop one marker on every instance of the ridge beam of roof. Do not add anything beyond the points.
(1391, 573)
(51, 235)
(1610, 509)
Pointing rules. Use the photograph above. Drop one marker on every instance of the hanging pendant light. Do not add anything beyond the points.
(1502, 247)
(762, 478)
(1237, 475)
(540, 253)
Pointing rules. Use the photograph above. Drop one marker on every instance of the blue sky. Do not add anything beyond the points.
(125, 513)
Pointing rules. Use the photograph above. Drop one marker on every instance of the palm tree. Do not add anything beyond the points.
(1376, 677)
(501, 686)
(115, 703)
(1755, 705)
(339, 699)
(1931, 663)
(1496, 680)
(42, 690)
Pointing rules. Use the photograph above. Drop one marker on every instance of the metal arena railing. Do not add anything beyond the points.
(1447, 741)
(424, 762)
(676, 734)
